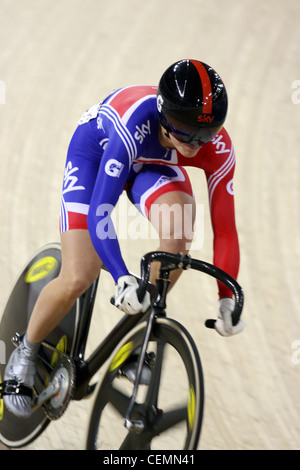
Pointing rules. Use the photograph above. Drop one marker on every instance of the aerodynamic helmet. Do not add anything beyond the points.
(192, 101)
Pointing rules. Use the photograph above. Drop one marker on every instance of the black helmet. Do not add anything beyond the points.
(191, 94)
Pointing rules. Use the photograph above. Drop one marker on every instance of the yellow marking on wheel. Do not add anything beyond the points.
(61, 347)
(121, 356)
(191, 407)
(40, 269)
(1, 404)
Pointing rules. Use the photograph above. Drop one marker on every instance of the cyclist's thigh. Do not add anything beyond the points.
(164, 193)
(79, 258)
(80, 174)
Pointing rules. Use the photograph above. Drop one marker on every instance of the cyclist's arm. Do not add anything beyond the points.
(110, 182)
(226, 244)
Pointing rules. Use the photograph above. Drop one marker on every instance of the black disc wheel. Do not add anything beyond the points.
(38, 272)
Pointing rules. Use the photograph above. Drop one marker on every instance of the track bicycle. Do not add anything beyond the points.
(140, 413)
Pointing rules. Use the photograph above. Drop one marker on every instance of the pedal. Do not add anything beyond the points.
(13, 387)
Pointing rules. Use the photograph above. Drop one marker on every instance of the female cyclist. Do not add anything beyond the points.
(138, 140)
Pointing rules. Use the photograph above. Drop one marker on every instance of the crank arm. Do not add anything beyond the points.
(48, 393)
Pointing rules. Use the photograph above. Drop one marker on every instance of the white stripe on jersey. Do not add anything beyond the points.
(121, 130)
(77, 207)
(132, 108)
(63, 216)
(159, 183)
(216, 177)
(116, 92)
(121, 90)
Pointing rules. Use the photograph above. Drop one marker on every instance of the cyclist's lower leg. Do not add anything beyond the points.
(80, 267)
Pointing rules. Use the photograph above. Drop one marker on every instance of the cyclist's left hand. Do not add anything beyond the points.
(126, 296)
(224, 325)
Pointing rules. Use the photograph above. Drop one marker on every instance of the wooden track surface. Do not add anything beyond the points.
(57, 59)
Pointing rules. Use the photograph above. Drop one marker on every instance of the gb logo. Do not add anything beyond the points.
(113, 168)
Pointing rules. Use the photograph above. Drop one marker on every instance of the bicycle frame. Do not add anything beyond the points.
(86, 368)
(70, 338)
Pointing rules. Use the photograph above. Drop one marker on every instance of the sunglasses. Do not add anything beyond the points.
(196, 136)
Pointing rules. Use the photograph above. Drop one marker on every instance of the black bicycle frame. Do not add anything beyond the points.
(86, 368)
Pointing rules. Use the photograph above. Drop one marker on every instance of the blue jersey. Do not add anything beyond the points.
(103, 155)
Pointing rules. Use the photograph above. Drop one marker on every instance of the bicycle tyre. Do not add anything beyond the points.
(170, 341)
(40, 270)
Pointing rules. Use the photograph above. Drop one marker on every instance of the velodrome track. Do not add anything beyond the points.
(57, 59)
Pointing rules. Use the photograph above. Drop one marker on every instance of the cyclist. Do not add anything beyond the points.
(139, 139)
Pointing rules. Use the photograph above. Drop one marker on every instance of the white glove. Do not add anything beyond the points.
(223, 325)
(126, 296)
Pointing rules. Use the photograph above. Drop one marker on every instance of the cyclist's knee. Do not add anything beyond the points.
(75, 284)
(176, 237)
(76, 287)
(174, 245)
(173, 216)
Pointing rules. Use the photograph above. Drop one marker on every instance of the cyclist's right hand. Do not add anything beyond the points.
(223, 324)
(126, 296)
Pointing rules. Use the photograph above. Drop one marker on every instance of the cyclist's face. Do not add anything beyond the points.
(188, 139)
(187, 150)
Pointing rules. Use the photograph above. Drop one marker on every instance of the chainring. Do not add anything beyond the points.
(64, 371)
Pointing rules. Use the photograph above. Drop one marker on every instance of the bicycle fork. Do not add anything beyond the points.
(158, 308)
(130, 424)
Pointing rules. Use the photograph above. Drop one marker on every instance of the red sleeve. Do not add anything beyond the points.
(221, 198)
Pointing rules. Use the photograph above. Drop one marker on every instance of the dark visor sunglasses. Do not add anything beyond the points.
(197, 136)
